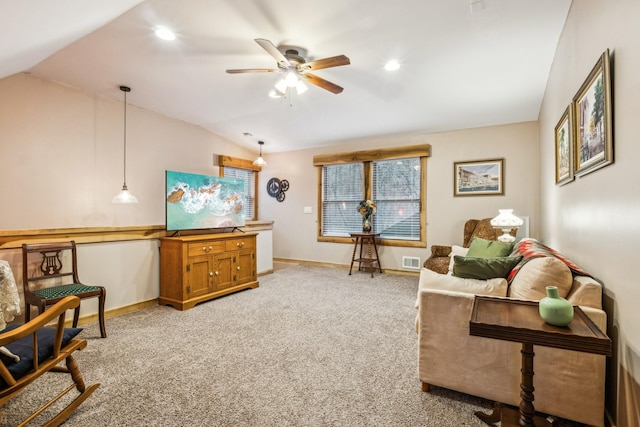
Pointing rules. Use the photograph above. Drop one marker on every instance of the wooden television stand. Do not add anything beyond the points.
(201, 267)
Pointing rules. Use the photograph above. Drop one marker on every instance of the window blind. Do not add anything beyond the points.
(342, 190)
(396, 192)
(249, 188)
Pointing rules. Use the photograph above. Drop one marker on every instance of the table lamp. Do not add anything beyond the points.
(506, 221)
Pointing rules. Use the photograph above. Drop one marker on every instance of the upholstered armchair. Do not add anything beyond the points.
(438, 261)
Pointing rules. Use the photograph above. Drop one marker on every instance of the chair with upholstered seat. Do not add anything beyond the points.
(482, 228)
(33, 349)
(56, 278)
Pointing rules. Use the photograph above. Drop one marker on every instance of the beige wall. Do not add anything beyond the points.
(295, 232)
(595, 220)
(63, 152)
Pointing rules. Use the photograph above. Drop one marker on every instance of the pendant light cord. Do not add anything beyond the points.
(125, 89)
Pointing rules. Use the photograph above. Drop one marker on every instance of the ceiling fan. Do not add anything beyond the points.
(296, 67)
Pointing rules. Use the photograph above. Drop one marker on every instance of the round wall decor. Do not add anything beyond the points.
(277, 187)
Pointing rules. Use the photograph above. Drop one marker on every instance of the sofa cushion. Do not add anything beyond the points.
(456, 250)
(585, 291)
(483, 268)
(432, 280)
(482, 248)
(533, 278)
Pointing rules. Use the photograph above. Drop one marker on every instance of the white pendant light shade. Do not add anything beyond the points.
(260, 161)
(124, 196)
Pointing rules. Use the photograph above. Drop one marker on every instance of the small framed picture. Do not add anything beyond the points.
(593, 120)
(478, 178)
(564, 147)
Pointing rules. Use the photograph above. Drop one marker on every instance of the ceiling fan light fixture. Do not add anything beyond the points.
(301, 87)
(291, 79)
(260, 161)
(281, 86)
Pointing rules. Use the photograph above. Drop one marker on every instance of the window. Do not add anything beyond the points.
(243, 169)
(342, 190)
(394, 179)
(396, 192)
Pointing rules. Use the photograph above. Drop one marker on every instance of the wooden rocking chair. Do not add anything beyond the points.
(40, 349)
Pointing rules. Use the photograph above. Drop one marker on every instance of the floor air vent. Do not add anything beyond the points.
(411, 262)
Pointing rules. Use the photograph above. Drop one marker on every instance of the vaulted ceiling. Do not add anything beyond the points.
(463, 63)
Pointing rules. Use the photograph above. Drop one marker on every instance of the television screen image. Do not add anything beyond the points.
(196, 202)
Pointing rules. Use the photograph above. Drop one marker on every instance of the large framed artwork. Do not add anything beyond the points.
(593, 119)
(564, 147)
(478, 178)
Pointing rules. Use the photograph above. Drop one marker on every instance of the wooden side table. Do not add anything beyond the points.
(520, 321)
(370, 240)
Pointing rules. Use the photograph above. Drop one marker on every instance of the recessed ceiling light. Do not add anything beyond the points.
(164, 33)
(392, 65)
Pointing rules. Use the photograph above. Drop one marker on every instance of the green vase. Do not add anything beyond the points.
(366, 225)
(555, 310)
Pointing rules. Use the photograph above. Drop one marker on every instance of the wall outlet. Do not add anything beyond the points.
(308, 210)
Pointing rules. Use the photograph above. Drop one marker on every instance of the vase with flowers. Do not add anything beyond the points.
(366, 208)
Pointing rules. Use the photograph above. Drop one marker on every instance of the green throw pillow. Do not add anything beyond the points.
(483, 268)
(482, 248)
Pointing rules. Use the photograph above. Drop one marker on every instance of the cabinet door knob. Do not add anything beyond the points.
(238, 268)
(216, 273)
(210, 247)
(211, 273)
(204, 248)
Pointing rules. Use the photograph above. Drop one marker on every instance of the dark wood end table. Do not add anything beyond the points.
(520, 321)
(370, 240)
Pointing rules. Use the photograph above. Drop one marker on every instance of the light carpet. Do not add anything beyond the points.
(312, 346)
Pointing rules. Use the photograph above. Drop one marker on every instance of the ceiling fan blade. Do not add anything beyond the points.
(253, 70)
(324, 84)
(273, 51)
(334, 61)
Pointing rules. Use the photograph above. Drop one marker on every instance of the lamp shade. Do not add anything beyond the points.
(260, 161)
(125, 197)
(506, 221)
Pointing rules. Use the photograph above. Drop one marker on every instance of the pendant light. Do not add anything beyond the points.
(125, 196)
(260, 161)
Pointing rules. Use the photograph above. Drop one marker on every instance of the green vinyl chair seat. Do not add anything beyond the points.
(64, 290)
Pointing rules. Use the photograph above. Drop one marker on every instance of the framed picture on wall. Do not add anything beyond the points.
(478, 178)
(593, 119)
(564, 147)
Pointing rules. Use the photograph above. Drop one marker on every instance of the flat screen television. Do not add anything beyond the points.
(198, 202)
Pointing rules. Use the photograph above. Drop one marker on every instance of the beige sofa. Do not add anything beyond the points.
(568, 384)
